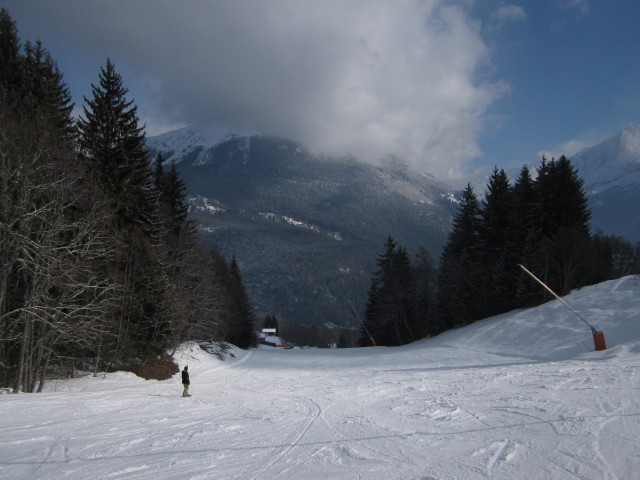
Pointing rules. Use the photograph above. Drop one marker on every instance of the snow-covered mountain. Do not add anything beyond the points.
(305, 229)
(612, 163)
(189, 143)
(611, 173)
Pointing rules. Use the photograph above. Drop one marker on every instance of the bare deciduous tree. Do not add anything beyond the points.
(54, 291)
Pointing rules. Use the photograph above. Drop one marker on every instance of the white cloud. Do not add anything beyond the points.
(508, 14)
(365, 77)
(568, 148)
(581, 5)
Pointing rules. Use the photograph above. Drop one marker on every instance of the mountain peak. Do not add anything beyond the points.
(622, 150)
(611, 174)
(176, 143)
(630, 143)
(632, 127)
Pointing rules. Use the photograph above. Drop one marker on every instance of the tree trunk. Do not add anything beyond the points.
(17, 386)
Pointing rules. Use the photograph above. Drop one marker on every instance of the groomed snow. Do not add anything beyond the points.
(519, 396)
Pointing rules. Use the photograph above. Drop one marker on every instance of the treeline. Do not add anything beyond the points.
(298, 335)
(99, 260)
(541, 223)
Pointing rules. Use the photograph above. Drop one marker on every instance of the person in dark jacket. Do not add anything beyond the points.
(185, 381)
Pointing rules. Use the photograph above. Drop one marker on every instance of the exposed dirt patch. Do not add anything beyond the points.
(159, 368)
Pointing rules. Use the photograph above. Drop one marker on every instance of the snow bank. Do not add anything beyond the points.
(552, 332)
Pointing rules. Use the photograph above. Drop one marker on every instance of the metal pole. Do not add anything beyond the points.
(593, 330)
(373, 342)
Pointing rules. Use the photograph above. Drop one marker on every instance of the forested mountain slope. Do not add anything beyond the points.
(305, 229)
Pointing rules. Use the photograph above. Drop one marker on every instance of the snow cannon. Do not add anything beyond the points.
(598, 340)
(598, 336)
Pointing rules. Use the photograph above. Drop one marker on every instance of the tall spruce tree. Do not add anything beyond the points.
(519, 237)
(460, 300)
(391, 313)
(380, 316)
(112, 139)
(174, 194)
(572, 242)
(10, 59)
(44, 90)
(538, 249)
(558, 241)
(425, 276)
(113, 142)
(498, 268)
(241, 319)
(158, 172)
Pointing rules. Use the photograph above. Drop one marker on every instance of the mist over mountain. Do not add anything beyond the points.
(305, 229)
(611, 174)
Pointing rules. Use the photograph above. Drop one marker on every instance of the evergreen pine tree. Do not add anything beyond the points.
(558, 243)
(240, 329)
(425, 275)
(497, 267)
(31, 85)
(114, 144)
(383, 320)
(10, 59)
(179, 230)
(158, 173)
(459, 299)
(571, 245)
(112, 140)
(570, 197)
(45, 91)
(391, 313)
(174, 193)
(404, 294)
(525, 202)
(537, 253)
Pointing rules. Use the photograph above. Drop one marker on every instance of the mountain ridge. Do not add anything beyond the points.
(612, 162)
(306, 229)
(611, 174)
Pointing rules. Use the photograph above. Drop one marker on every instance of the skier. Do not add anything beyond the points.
(185, 381)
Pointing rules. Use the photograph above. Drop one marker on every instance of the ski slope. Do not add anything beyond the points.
(519, 396)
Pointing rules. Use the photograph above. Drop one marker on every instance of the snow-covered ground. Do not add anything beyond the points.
(519, 396)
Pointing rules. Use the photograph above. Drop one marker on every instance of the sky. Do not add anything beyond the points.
(450, 87)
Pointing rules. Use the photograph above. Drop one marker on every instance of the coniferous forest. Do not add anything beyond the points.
(541, 223)
(101, 267)
(99, 260)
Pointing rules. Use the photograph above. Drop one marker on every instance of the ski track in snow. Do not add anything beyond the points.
(510, 398)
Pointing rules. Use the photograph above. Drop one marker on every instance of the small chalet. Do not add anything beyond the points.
(268, 337)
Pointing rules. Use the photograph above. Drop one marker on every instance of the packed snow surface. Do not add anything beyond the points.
(519, 396)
